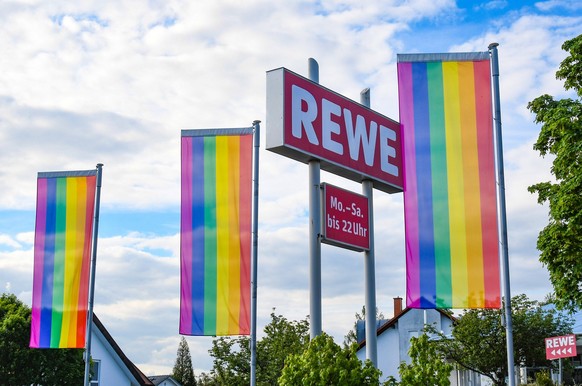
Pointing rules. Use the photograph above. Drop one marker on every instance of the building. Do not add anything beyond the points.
(394, 341)
(110, 365)
(164, 380)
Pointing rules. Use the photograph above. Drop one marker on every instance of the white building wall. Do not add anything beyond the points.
(411, 325)
(388, 344)
(394, 343)
(112, 371)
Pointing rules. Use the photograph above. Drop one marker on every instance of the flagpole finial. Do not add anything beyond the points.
(256, 121)
(493, 45)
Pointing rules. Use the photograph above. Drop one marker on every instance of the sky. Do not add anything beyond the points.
(114, 82)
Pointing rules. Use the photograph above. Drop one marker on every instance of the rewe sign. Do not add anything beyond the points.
(306, 121)
(561, 347)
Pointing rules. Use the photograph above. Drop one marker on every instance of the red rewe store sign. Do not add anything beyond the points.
(346, 220)
(561, 347)
(306, 121)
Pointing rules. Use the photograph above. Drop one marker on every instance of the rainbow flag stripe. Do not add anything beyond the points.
(62, 254)
(215, 235)
(450, 205)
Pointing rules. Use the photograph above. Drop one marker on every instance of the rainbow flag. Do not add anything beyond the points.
(215, 234)
(62, 255)
(450, 205)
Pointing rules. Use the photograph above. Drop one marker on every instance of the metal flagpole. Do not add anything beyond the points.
(256, 144)
(92, 278)
(314, 231)
(502, 212)
(369, 264)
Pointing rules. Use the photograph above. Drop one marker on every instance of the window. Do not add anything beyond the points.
(95, 373)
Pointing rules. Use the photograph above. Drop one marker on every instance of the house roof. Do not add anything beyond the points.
(137, 374)
(392, 322)
(158, 379)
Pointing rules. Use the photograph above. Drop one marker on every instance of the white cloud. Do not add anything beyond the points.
(9, 241)
(558, 4)
(491, 5)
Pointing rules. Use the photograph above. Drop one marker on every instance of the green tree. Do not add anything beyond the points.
(21, 365)
(183, 371)
(206, 379)
(282, 338)
(352, 336)
(427, 366)
(543, 378)
(232, 355)
(478, 342)
(231, 360)
(560, 242)
(326, 363)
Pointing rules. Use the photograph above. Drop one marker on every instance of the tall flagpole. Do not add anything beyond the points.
(92, 278)
(256, 144)
(369, 264)
(502, 212)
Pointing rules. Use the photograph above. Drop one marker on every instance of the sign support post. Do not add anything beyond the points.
(314, 230)
(370, 264)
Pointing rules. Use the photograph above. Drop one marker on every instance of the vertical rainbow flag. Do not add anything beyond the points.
(450, 205)
(215, 234)
(62, 255)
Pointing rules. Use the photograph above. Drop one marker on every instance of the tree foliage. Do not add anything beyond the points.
(326, 363)
(427, 366)
(232, 355)
(560, 242)
(206, 379)
(21, 365)
(282, 338)
(183, 371)
(352, 335)
(479, 338)
(232, 358)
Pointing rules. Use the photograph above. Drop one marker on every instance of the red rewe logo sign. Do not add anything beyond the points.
(306, 121)
(346, 221)
(561, 347)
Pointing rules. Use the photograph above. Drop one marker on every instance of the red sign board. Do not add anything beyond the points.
(306, 121)
(561, 347)
(346, 220)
